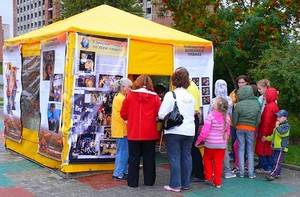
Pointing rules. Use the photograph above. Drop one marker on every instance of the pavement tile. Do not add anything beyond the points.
(101, 181)
(165, 166)
(15, 192)
(245, 187)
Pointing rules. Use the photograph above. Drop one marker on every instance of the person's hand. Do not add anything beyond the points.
(201, 144)
(263, 138)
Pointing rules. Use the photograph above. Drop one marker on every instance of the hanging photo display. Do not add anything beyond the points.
(13, 87)
(198, 60)
(52, 69)
(99, 62)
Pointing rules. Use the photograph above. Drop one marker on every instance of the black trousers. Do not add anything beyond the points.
(138, 149)
(197, 163)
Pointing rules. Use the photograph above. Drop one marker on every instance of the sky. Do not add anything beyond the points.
(6, 11)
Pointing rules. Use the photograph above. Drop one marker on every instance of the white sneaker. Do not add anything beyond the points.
(229, 175)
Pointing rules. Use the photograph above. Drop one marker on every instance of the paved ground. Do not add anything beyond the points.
(20, 177)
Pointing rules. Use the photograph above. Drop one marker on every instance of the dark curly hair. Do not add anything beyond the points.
(144, 81)
(180, 79)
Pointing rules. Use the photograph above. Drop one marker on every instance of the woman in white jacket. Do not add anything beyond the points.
(179, 139)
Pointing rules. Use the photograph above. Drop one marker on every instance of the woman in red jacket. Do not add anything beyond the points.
(140, 110)
(267, 124)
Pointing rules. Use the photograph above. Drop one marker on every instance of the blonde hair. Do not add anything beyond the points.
(264, 83)
(222, 106)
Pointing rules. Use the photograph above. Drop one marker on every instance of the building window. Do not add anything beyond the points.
(28, 17)
(35, 5)
(50, 15)
(31, 6)
(31, 15)
(43, 22)
(24, 27)
(31, 25)
(40, 23)
(35, 14)
(148, 10)
(35, 24)
(50, 4)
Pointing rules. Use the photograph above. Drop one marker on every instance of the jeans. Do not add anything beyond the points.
(226, 163)
(122, 155)
(244, 138)
(180, 160)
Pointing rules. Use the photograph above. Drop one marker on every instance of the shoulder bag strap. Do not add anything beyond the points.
(175, 102)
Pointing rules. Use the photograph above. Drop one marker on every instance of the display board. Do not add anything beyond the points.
(13, 88)
(198, 60)
(99, 62)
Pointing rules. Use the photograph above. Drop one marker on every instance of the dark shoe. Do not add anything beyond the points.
(235, 170)
(207, 182)
(270, 178)
(185, 188)
(195, 179)
(119, 178)
(257, 166)
(125, 175)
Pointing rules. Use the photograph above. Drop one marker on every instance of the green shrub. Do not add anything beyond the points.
(281, 65)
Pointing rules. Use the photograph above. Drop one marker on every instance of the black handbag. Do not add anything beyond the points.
(174, 118)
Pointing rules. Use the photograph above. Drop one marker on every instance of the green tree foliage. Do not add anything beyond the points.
(72, 7)
(281, 65)
(240, 29)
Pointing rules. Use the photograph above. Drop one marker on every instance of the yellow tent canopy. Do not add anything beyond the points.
(108, 21)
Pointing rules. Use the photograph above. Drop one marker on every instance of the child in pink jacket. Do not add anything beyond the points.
(215, 133)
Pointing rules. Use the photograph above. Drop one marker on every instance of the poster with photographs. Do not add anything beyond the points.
(100, 63)
(198, 60)
(51, 96)
(205, 90)
(12, 87)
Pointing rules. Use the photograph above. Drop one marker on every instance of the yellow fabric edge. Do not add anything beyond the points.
(71, 168)
(29, 149)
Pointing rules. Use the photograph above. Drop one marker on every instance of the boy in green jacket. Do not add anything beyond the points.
(280, 140)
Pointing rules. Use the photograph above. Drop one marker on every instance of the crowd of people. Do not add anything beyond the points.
(253, 123)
